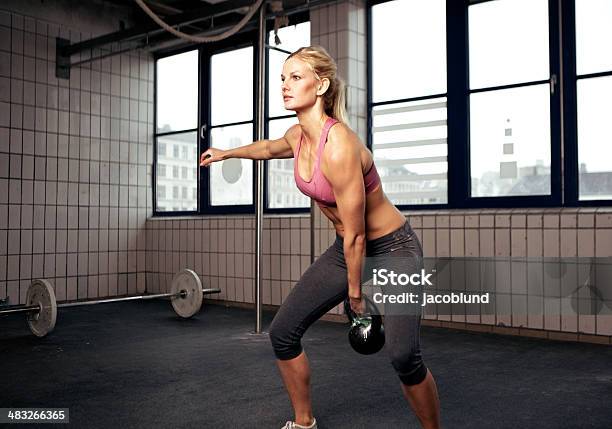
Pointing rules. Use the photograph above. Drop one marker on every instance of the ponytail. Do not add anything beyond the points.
(335, 101)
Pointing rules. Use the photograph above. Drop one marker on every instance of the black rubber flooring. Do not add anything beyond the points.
(136, 365)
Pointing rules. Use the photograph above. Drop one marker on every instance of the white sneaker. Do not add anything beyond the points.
(294, 425)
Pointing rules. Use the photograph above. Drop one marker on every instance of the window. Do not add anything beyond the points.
(177, 102)
(594, 98)
(231, 78)
(183, 105)
(510, 142)
(409, 127)
(176, 125)
(509, 71)
(161, 192)
(509, 109)
(286, 195)
(410, 149)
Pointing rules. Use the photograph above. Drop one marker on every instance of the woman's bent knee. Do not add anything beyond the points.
(285, 344)
(409, 366)
(417, 376)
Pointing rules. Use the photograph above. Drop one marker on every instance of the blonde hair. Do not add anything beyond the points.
(324, 66)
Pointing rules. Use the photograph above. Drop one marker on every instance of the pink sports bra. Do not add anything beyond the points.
(318, 187)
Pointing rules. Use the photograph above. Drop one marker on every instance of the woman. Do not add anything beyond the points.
(334, 168)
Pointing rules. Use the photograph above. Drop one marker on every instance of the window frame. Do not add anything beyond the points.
(205, 52)
(570, 85)
(554, 198)
(563, 112)
(371, 104)
(231, 44)
(156, 134)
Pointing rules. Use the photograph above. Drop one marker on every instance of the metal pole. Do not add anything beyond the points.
(134, 298)
(126, 298)
(21, 309)
(259, 164)
(36, 308)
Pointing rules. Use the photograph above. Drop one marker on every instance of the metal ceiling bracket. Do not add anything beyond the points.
(62, 61)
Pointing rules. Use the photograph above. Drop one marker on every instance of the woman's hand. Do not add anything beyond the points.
(211, 155)
(357, 305)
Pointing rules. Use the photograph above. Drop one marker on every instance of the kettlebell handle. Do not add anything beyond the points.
(349, 311)
(366, 334)
(353, 317)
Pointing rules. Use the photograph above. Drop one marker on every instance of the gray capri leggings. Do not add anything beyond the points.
(324, 285)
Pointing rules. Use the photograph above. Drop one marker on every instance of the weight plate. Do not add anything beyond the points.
(189, 304)
(40, 292)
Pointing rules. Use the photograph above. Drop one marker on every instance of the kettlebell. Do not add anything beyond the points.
(367, 333)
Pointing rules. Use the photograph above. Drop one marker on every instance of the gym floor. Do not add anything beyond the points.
(136, 364)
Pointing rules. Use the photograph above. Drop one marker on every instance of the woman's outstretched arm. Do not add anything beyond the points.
(261, 149)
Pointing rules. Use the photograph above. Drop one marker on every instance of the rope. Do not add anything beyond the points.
(199, 39)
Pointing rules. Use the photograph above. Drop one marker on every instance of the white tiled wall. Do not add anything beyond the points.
(535, 233)
(222, 251)
(74, 157)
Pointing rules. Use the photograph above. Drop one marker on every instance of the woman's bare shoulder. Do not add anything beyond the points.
(346, 146)
(293, 135)
(342, 136)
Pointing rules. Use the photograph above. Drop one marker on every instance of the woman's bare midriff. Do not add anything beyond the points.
(381, 216)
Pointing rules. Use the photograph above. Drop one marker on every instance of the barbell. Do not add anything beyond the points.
(41, 306)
